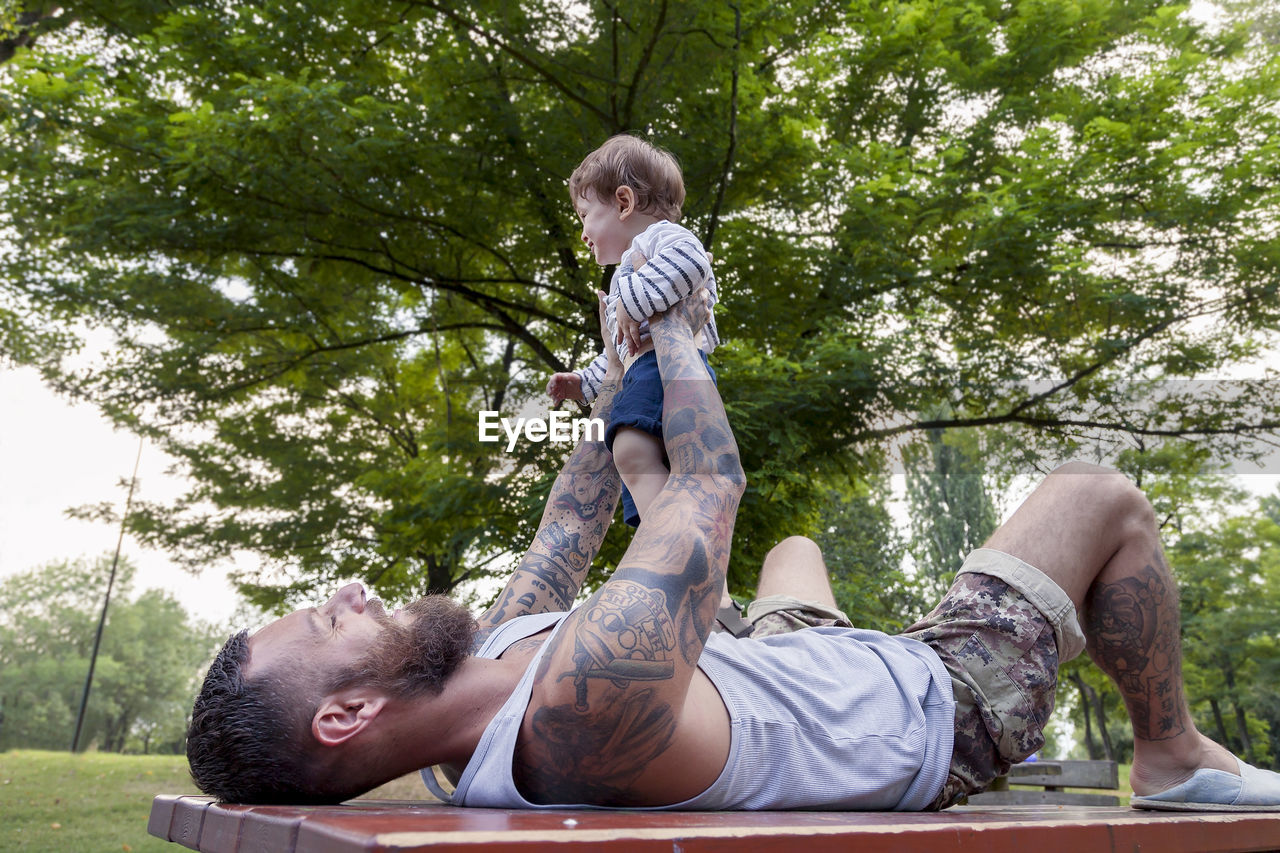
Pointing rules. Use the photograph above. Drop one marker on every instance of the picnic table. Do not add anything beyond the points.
(393, 826)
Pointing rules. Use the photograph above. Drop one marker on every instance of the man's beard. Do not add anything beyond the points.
(417, 658)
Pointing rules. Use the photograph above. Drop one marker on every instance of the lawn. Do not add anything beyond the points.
(56, 801)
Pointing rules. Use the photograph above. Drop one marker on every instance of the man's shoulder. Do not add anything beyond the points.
(492, 640)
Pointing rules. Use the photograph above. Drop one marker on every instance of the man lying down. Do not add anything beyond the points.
(631, 700)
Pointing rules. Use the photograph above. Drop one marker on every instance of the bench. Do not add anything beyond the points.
(1051, 777)
(384, 826)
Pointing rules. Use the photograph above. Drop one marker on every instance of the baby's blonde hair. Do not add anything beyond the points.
(626, 160)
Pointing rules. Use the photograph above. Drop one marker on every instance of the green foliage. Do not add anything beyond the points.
(146, 668)
(326, 235)
(864, 553)
(951, 509)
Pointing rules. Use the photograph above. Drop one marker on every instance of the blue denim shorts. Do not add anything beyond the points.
(639, 406)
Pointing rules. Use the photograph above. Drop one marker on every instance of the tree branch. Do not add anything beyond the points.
(725, 170)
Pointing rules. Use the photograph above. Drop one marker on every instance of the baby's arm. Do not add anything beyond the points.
(666, 278)
(564, 386)
(582, 385)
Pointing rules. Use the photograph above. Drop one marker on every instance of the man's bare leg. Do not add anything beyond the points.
(795, 567)
(1094, 533)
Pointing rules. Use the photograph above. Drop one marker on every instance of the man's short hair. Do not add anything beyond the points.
(626, 160)
(250, 740)
(245, 741)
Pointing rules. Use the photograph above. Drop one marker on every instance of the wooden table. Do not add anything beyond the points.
(371, 826)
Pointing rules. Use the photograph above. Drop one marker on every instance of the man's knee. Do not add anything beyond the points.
(795, 567)
(793, 551)
(1107, 487)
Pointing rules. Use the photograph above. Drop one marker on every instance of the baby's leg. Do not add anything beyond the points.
(638, 457)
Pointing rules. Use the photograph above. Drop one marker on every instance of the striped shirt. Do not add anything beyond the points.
(677, 265)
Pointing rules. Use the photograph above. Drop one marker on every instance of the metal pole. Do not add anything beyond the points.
(102, 620)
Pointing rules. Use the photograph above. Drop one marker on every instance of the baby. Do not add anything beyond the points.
(628, 195)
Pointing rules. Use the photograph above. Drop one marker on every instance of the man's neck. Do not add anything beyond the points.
(446, 728)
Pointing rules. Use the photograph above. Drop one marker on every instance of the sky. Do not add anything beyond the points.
(55, 455)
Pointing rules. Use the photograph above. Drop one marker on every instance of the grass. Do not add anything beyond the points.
(89, 802)
(97, 802)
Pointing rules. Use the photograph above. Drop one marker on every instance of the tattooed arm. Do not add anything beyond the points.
(578, 512)
(610, 693)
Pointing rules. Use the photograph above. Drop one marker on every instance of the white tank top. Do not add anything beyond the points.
(822, 718)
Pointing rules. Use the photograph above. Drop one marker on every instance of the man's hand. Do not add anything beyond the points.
(564, 386)
(694, 309)
(628, 328)
(610, 345)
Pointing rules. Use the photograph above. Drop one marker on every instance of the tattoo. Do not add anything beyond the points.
(685, 594)
(585, 510)
(593, 749)
(528, 644)
(586, 758)
(1132, 626)
(625, 635)
(537, 575)
(563, 543)
(573, 526)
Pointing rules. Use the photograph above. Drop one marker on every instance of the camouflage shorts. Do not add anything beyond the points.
(999, 631)
(782, 614)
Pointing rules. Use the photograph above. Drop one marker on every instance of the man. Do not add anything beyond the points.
(627, 701)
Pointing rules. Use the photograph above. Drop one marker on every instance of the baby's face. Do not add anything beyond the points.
(604, 228)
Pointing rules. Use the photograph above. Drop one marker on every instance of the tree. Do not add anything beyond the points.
(952, 512)
(1229, 585)
(147, 667)
(864, 556)
(327, 235)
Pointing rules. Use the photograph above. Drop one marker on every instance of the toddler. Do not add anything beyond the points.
(628, 195)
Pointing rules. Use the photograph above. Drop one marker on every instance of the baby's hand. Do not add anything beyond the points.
(564, 386)
(628, 331)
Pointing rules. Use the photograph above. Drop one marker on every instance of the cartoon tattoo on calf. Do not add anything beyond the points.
(1133, 636)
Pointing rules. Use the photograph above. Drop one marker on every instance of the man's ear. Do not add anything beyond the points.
(342, 716)
(625, 198)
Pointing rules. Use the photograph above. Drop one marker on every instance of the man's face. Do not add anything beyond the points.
(352, 639)
(338, 632)
(603, 228)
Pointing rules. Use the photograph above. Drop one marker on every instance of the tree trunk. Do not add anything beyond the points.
(23, 31)
(1089, 743)
(1242, 726)
(1108, 752)
(1222, 726)
(1246, 743)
